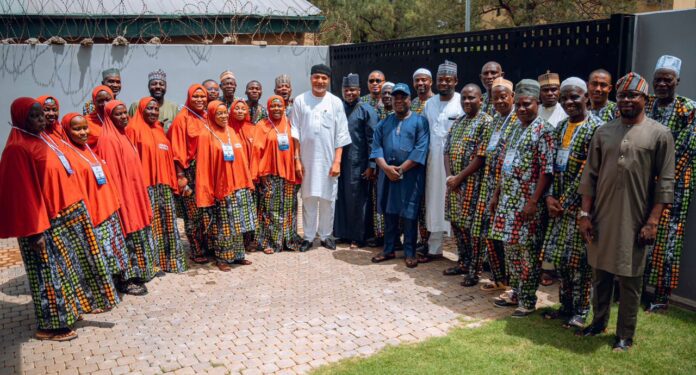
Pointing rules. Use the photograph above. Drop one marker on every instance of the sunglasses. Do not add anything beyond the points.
(375, 80)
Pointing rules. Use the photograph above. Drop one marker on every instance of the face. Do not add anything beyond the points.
(665, 83)
(276, 109)
(221, 116)
(489, 73)
(574, 102)
(470, 101)
(527, 109)
(599, 87)
(79, 130)
(120, 116)
(253, 91)
(199, 100)
(239, 111)
(114, 83)
(36, 121)
(213, 90)
(157, 88)
(229, 86)
(446, 84)
(50, 109)
(549, 95)
(402, 103)
(351, 94)
(103, 97)
(503, 99)
(422, 83)
(151, 112)
(387, 98)
(374, 82)
(320, 83)
(284, 90)
(630, 103)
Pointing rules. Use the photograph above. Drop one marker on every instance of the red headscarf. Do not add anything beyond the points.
(245, 127)
(95, 119)
(34, 185)
(215, 177)
(101, 200)
(154, 148)
(185, 129)
(123, 164)
(54, 130)
(266, 156)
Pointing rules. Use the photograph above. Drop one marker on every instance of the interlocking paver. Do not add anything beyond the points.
(287, 312)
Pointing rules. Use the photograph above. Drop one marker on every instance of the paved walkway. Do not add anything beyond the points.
(286, 313)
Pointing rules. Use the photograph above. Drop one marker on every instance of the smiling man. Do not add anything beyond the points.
(253, 92)
(550, 110)
(678, 113)
(489, 72)
(600, 87)
(422, 83)
(111, 78)
(157, 86)
(374, 84)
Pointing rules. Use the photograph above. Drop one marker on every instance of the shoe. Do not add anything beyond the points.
(577, 321)
(591, 330)
(656, 308)
(521, 312)
(469, 282)
(455, 271)
(305, 245)
(434, 257)
(329, 243)
(411, 262)
(500, 302)
(375, 242)
(621, 345)
(422, 248)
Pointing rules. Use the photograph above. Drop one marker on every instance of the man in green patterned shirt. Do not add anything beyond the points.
(599, 86)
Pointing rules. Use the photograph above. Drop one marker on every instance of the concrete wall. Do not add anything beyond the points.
(672, 33)
(70, 72)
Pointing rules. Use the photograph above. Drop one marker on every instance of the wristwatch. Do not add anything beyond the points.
(582, 214)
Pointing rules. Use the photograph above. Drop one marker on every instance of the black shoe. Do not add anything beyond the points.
(422, 248)
(375, 242)
(622, 345)
(499, 302)
(455, 271)
(591, 330)
(305, 245)
(329, 243)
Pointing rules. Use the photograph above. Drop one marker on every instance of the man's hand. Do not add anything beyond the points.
(648, 233)
(554, 206)
(586, 229)
(530, 209)
(299, 169)
(393, 173)
(335, 169)
(453, 183)
(369, 174)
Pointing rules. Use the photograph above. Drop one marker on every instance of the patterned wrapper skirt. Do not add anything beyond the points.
(226, 223)
(168, 245)
(277, 214)
(69, 276)
(193, 222)
(113, 245)
(142, 255)
(377, 218)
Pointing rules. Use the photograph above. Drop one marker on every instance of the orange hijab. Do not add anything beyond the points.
(54, 130)
(101, 200)
(245, 127)
(266, 157)
(34, 185)
(94, 119)
(215, 177)
(183, 132)
(123, 164)
(154, 148)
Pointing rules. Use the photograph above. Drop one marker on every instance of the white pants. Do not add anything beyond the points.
(435, 243)
(317, 217)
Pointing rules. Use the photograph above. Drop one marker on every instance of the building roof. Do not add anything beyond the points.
(166, 8)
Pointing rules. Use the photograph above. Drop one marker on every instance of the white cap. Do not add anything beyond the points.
(422, 71)
(670, 63)
(574, 81)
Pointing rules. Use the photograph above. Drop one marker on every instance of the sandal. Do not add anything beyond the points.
(66, 334)
(243, 262)
(454, 271)
(492, 287)
(99, 311)
(469, 282)
(382, 258)
(411, 262)
(200, 260)
(420, 258)
(224, 267)
(135, 289)
(268, 251)
(354, 245)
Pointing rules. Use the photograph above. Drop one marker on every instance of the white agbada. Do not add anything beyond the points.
(441, 116)
(321, 126)
(554, 115)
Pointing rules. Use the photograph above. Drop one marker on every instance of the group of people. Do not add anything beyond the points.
(542, 171)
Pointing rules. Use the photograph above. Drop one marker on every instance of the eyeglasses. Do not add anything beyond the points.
(374, 80)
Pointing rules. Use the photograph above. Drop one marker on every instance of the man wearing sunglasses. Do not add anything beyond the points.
(374, 85)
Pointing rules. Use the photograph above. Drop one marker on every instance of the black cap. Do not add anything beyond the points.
(321, 69)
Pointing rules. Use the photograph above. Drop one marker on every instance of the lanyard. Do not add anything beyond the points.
(196, 114)
(227, 130)
(47, 140)
(275, 127)
(96, 161)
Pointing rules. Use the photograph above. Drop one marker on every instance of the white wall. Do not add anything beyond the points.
(70, 72)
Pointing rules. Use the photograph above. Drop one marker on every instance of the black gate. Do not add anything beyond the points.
(570, 49)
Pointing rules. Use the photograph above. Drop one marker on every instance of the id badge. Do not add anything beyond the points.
(99, 174)
(66, 163)
(228, 152)
(283, 142)
(509, 160)
(493, 143)
(562, 159)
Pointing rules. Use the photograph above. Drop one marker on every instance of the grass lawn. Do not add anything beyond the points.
(664, 344)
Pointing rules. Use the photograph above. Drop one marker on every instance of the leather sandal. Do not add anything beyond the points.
(243, 262)
(411, 262)
(382, 257)
(268, 251)
(224, 267)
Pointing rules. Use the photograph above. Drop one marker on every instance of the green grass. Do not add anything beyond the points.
(664, 344)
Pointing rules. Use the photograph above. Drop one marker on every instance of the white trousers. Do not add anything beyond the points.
(435, 243)
(317, 217)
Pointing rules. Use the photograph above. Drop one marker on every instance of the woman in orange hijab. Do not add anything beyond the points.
(100, 96)
(100, 193)
(183, 135)
(240, 121)
(51, 110)
(123, 165)
(273, 170)
(157, 161)
(42, 205)
(224, 188)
